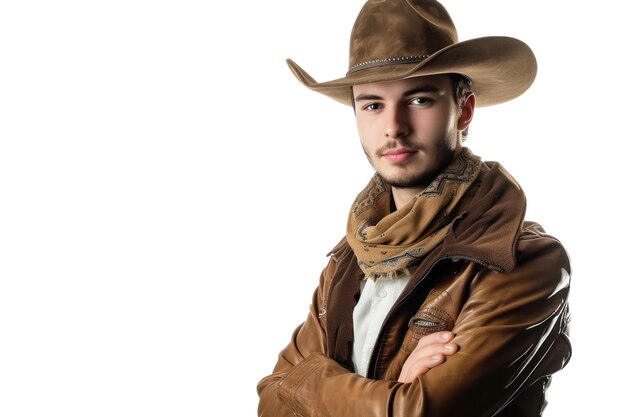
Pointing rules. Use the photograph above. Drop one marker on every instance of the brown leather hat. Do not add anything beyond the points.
(398, 39)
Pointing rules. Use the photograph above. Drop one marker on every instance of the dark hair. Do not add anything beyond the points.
(462, 86)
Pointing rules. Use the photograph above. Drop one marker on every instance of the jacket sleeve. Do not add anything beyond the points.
(511, 332)
(308, 339)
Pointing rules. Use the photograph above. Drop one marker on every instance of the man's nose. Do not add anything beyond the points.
(397, 125)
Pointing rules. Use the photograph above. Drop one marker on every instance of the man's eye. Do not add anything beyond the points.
(372, 106)
(421, 101)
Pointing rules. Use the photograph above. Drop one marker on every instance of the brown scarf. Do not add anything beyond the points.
(388, 243)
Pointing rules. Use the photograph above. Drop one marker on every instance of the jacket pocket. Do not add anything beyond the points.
(425, 322)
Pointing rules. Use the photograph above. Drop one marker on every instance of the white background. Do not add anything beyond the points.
(168, 192)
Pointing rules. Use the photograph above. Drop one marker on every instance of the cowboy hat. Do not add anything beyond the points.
(398, 39)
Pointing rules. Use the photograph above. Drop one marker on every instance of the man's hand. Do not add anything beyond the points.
(430, 351)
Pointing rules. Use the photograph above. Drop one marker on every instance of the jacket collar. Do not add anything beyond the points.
(488, 231)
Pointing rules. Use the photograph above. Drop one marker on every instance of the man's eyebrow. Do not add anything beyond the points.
(362, 97)
(420, 89)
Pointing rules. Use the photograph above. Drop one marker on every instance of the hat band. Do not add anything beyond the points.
(411, 59)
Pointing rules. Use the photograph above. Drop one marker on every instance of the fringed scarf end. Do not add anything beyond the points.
(398, 273)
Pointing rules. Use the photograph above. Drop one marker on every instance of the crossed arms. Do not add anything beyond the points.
(508, 336)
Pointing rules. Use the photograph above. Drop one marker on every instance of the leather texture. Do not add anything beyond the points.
(500, 284)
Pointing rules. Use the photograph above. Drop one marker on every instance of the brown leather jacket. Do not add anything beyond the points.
(498, 283)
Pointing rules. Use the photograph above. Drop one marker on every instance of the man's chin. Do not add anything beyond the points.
(407, 181)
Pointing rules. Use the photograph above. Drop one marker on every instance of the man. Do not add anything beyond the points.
(441, 300)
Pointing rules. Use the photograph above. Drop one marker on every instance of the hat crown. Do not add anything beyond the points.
(390, 32)
(398, 39)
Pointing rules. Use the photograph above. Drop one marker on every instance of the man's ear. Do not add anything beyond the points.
(467, 112)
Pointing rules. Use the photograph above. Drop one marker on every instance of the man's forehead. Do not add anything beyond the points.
(430, 83)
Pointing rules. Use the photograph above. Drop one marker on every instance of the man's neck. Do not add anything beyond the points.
(401, 196)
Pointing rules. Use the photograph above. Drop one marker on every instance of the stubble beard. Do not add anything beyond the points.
(416, 180)
(406, 181)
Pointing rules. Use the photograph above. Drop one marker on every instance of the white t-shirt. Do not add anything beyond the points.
(377, 298)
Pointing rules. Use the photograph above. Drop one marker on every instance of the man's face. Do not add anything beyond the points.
(410, 129)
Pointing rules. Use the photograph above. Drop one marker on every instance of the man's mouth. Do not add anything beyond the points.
(397, 155)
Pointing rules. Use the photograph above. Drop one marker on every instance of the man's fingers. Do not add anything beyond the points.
(434, 338)
(411, 370)
(430, 352)
(434, 344)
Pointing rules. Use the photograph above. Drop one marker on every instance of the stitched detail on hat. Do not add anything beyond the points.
(387, 61)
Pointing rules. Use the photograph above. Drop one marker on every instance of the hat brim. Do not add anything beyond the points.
(500, 68)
